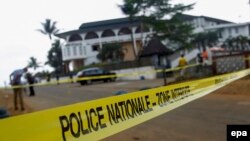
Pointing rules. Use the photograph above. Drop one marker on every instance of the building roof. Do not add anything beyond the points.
(186, 17)
(124, 22)
(120, 22)
(102, 25)
(229, 25)
(155, 47)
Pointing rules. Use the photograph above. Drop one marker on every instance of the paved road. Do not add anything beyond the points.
(203, 119)
(64, 94)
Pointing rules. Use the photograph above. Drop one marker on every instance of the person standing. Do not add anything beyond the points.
(182, 64)
(205, 57)
(71, 77)
(15, 81)
(31, 81)
(199, 61)
(57, 79)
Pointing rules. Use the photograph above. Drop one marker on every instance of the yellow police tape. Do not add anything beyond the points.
(54, 82)
(97, 119)
(108, 76)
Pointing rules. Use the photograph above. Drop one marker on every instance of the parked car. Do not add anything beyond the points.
(94, 72)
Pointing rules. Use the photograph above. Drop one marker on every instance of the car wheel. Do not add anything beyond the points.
(82, 82)
(88, 82)
(112, 79)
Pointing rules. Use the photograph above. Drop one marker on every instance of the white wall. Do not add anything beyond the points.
(189, 55)
(146, 72)
(231, 30)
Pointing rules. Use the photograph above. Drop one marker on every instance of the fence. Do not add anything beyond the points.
(229, 61)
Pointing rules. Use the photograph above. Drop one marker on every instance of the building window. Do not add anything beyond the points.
(80, 50)
(91, 35)
(68, 51)
(84, 49)
(124, 31)
(95, 48)
(230, 31)
(108, 33)
(75, 37)
(65, 52)
(236, 30)
(74, 50)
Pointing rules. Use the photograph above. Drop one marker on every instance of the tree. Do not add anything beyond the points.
(49, 28)
(237, 43)
(243, 40)
(204, 39)
(163, 16)
(33, 63)
(111, 52)
(130, 8)
(55, 57)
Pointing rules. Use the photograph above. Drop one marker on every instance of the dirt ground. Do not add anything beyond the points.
(228, 105)
(6, 101)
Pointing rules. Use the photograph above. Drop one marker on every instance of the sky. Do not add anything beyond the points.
(20, 19)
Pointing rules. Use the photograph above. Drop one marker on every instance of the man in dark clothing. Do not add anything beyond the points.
(57, 79)
(199, 61)
(30, 79)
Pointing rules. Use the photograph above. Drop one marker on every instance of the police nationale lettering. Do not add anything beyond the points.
(82, 123)
(130, 108)
(92, 120)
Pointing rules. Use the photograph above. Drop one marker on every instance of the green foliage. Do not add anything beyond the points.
(172, 29)
(130, 7)
(55, 57)
(111, 53)
(49, 28)
(235, 43)
(33, 63)
(204, 39)
(162, 16)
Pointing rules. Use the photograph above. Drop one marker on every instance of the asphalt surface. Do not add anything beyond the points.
(203, 119)
(65, 94)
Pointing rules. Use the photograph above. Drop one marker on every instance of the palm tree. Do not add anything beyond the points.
(33, 63)
(55, 57)
(49, 28)
(130, 8)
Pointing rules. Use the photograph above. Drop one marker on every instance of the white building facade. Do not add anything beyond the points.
(82, 45)
(226, 31)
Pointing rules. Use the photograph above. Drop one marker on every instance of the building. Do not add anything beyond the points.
(226, 31)
(201, 23)
(82, 45)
